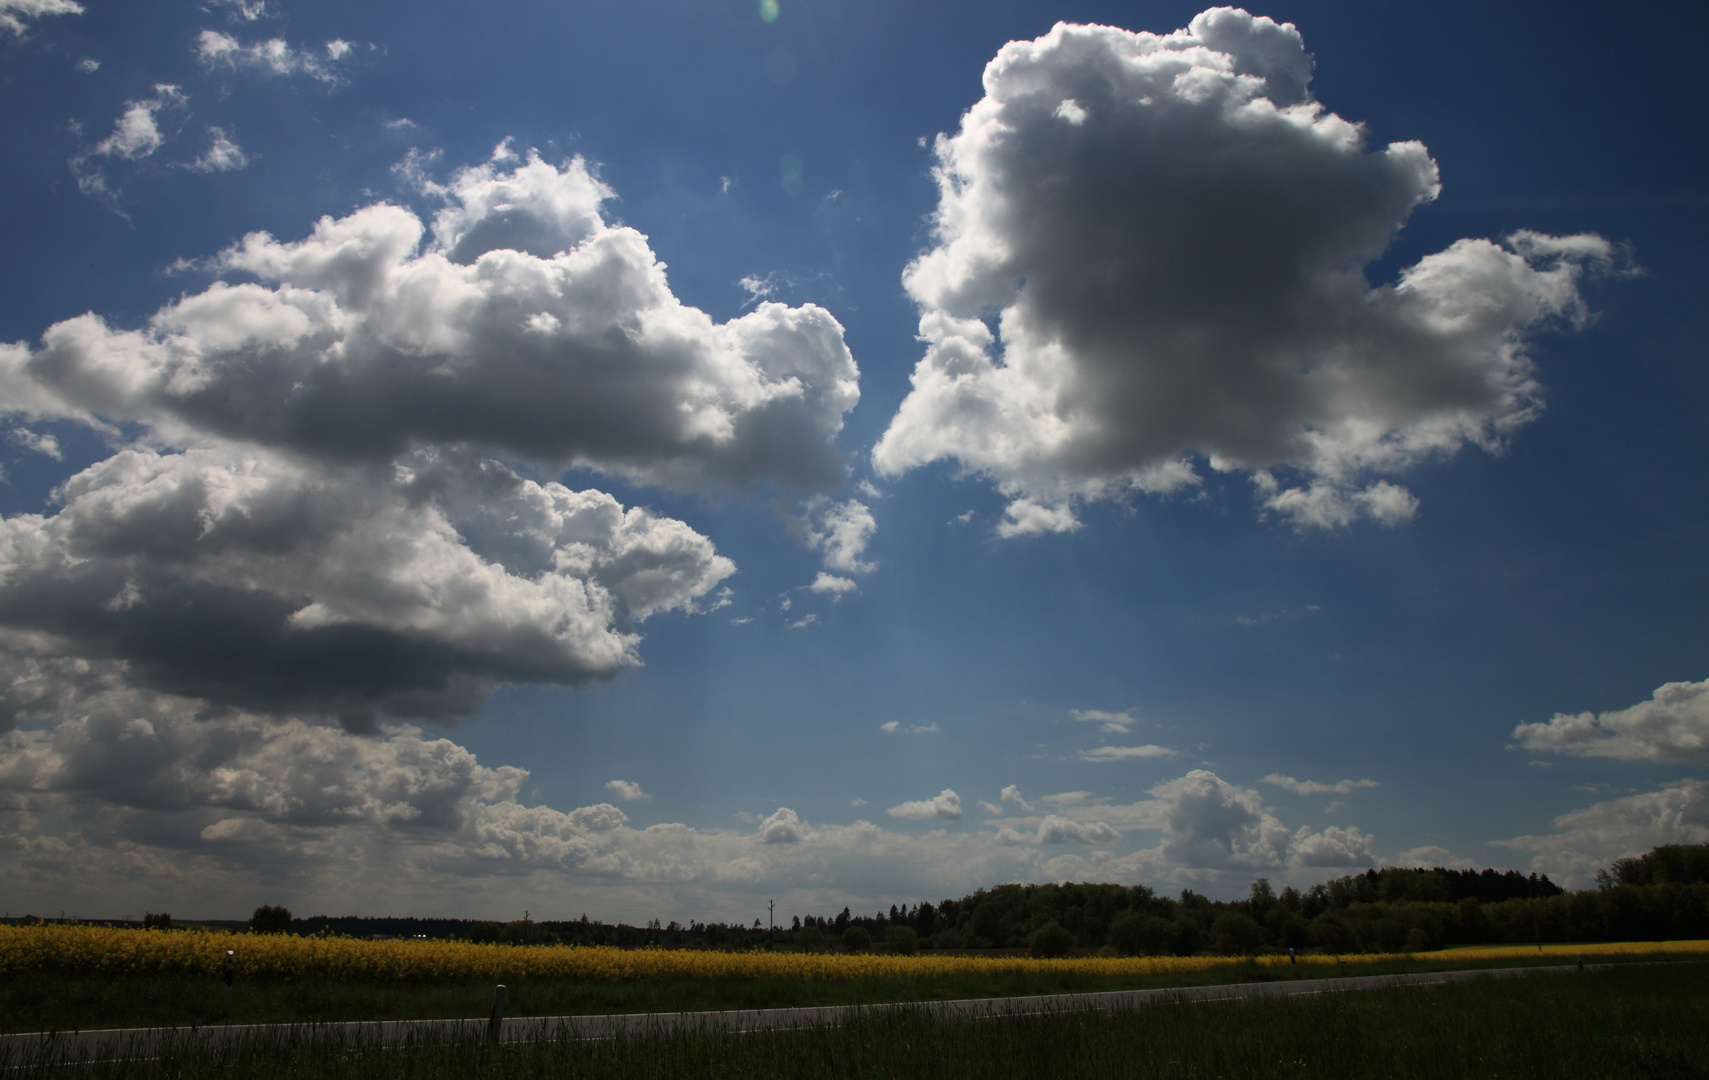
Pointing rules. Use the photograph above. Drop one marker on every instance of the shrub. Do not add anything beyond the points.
(270, 920)
(810, 939)
(902, 941)
(157, 921)
(1050, 940)
(856, 939)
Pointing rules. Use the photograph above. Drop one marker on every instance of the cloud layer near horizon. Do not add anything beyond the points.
(199, 809)
(1149, 251)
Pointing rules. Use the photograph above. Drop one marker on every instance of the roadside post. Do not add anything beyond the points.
(230, 972)
(497, 1020)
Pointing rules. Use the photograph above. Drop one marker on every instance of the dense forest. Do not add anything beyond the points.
(1663, 895)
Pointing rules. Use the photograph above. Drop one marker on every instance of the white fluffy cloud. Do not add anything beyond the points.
(1672, 727)
(358, 344)
(945, 805)
(15, 13)
(253, 578)
(627, 790)
(312, 522)
(1589, 839)
(1171, 232)
(1316, 787)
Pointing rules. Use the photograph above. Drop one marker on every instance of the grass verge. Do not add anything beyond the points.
(1649, 1023)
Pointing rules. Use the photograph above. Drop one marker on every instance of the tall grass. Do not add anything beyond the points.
(1638, 1023)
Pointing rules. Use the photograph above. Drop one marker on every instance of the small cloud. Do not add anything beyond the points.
(893, 726)
(962, 518)
(832, 584)
(627, 790)
(857, 801)
(757, 287)
(1126, 753)
(742, 622)
(804, 623)
(869, 489)
(1067, 798)
(1313, 787)
(1012, 795)
(247, 10)
(724, 183)
(1109, 723)
(402, 123)
(783, 827)
(88, 65)
(222, 155)
(991, 808)
(41, 444)
(721, 599)
(1055, 829)
(946, 806)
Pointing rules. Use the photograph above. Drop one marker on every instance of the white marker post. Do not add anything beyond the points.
(497, 1020)
(230, 971)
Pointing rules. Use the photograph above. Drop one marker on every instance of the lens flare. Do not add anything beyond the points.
(768, 10)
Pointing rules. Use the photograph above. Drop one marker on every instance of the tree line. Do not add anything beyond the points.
(1662, 895)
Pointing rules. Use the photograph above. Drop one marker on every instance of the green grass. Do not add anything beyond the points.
(59, 1002)
(1641, 1023)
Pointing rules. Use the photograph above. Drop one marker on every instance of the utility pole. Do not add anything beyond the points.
(771, 913)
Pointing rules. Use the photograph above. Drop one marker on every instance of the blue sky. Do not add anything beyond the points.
(648, 459)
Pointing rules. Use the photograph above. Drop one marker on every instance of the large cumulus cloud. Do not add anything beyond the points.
(321, 500)
(249, 578)
(1149, 253)
(1673, 727)
(527, 325)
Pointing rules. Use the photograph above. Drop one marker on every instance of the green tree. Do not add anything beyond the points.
(1050, 940)
(1236, 933)
(856, 939)
(902, 941)
(270, 920)
(157, 921)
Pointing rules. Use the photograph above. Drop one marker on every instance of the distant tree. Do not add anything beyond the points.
(856, 939)
(902, 940)
(270, 920)
(1669, 864)
(486, 931)
(160, 921)
(810, 938)
(1236, 933)
(1188, 938)
(1050, 940)
(1134, 934)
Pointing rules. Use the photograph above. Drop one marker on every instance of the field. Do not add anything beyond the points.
(1633, 1023)
(79, 977)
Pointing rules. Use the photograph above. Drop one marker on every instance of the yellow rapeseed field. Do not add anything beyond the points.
(107, 951)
